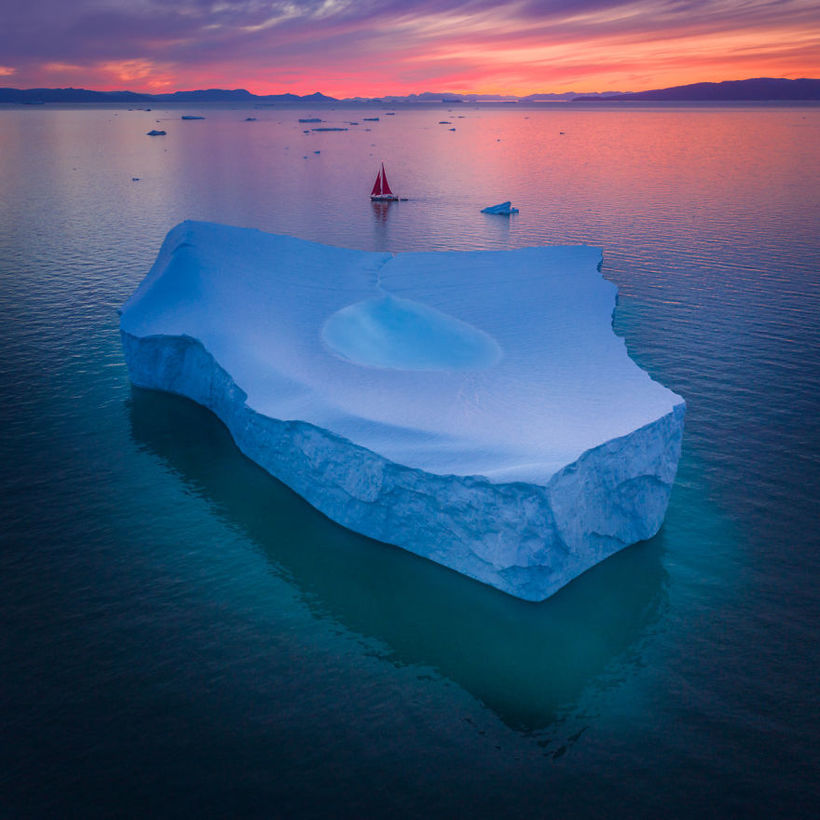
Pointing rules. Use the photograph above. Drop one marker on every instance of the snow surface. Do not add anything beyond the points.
(472, 407)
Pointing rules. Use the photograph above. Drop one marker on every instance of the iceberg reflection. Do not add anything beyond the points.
(526, 662)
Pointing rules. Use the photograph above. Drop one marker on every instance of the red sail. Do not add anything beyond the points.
(377, 186)
(385, 186)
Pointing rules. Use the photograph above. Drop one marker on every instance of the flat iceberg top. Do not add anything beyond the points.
(502, 364)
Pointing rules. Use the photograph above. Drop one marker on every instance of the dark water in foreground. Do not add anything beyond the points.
(181, 634)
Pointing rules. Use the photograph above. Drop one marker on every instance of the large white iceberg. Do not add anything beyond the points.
(475, 408)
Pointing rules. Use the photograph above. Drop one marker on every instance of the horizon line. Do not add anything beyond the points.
(441, 94)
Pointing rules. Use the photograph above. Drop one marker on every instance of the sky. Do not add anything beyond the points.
(348, 48)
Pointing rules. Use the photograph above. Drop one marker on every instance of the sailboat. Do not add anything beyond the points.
(381, 190)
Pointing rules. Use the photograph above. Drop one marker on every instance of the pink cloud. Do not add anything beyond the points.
(347, 48)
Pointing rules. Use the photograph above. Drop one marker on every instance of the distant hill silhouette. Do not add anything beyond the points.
(732, 90)
(82, 95)
(761, 89)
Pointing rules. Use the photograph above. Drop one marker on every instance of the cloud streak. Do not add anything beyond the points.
(373, 47)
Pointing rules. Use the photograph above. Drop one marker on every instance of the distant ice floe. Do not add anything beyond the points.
(503, 208)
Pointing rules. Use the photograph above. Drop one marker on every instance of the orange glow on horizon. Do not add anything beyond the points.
(631, 47)
(633, 77)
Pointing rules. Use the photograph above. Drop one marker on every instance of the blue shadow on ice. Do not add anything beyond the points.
(391, 332)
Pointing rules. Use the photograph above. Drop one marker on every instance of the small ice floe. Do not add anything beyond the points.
(154, 133)
(310, 119)
(503, 208)
(191, 117)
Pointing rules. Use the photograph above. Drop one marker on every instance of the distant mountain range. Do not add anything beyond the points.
(82, 95)
(760, 89)
(32, 96)
(451, 99)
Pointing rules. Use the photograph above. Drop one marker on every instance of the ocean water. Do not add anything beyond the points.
(183, 635)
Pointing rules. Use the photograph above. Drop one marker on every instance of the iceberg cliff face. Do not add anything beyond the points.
(472, 407)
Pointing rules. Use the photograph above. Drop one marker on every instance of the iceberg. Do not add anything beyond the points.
(503, 208)
(473, 407)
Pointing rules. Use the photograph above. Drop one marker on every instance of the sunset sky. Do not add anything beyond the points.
(377, 47)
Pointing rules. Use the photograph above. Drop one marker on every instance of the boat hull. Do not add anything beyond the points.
(384, 198)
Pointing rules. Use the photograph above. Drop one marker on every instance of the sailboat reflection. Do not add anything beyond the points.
(525, 661)
(381, 209)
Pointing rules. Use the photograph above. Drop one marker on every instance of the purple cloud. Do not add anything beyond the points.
(260, 40)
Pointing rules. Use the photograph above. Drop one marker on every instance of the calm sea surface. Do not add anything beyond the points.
(181, 634)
